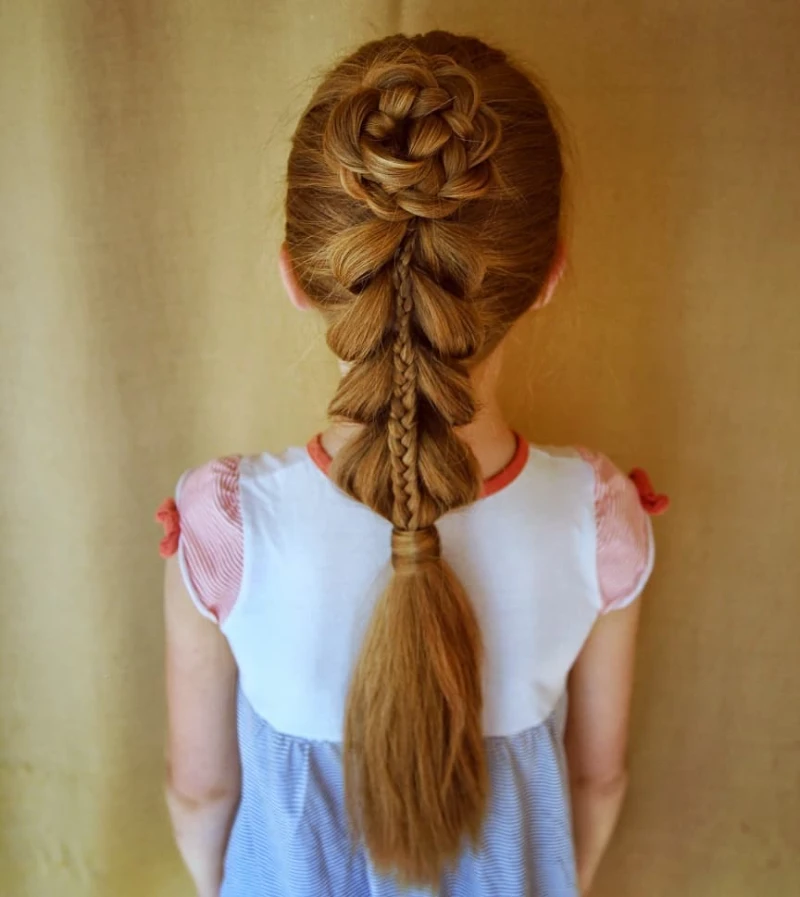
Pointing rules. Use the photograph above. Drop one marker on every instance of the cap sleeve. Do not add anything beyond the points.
(624, 544)
(204, 526)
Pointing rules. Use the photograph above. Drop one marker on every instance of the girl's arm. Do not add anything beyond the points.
(600, 688)
(203, 776)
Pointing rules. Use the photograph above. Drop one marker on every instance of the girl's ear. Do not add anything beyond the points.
(553, 278)
(292, 286)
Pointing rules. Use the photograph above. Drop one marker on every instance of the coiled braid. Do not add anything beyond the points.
(392, 176)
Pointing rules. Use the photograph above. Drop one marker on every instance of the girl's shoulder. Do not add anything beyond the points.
(203, 524)
(212, 491)
(203, 527)
(621, 504)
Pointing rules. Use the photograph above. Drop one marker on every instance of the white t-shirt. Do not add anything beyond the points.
(290, 568)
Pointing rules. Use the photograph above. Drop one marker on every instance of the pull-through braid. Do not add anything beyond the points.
(421, 255)
(412, 145)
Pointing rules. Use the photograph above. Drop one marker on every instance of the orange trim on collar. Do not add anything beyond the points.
(494, 483)
(510, 472)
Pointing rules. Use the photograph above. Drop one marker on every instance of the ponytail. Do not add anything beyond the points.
(415, 771)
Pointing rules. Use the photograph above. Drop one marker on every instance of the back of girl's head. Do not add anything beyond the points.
(423, 210)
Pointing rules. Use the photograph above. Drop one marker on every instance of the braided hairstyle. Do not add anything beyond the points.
(423, 208)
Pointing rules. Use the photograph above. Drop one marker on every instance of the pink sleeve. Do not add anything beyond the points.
(211, 541)
(625, 550)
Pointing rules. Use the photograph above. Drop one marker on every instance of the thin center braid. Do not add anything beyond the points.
(403, 445)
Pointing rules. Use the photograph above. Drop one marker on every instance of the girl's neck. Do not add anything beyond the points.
(488, 435)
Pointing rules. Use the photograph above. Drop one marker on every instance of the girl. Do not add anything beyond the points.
(372, 699)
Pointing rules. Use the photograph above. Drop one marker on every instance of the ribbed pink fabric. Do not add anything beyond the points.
(212, 537)
(623, 533)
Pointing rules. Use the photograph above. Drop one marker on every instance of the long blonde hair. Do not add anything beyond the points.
(422, 218)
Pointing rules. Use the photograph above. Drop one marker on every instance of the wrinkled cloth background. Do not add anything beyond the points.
(142, 152)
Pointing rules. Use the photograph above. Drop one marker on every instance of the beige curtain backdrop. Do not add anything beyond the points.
(144, 330)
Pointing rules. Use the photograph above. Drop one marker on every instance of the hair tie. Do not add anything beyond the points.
(169, 517)
(413, 548)
(654, 503)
